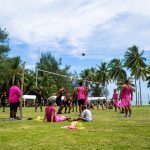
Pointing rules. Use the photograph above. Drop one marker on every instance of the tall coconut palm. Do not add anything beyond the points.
(133, 61)
(96, 89)
(103, 75)
(85, 74)
(116, 70)
(148, 76)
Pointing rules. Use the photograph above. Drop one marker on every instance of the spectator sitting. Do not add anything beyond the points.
(50, 114)
(86, 115)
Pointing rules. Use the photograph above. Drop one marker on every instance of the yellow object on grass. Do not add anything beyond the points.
(77, 124)
(39, 118)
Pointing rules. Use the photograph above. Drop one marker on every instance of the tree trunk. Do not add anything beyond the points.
(136, 93)
(138, 98)
(140, 91)
(106, 91)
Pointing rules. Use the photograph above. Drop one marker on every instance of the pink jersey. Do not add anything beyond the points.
(14, 94)
(115, 96)
(81, 92)
(126, 95)
(49, 111)
(115, 99)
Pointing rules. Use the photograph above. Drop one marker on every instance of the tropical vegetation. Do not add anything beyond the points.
(49, 75)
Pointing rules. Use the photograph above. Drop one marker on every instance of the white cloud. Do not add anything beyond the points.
(82, 25)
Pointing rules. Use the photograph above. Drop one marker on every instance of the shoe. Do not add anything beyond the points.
(18, 118)
(12, 119)
(59, 113)
(68, 119)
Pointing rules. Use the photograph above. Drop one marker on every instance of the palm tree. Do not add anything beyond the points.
(148, 76)
(117, 73)
(15, 70)
(103, 75)
(85, 74)
(121, 82)
(134, 61)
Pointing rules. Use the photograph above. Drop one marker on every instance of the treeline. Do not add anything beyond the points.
(97, 77)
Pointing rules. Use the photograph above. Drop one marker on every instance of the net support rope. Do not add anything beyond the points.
(66, 76)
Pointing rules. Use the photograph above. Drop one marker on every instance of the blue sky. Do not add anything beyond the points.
(101, 28)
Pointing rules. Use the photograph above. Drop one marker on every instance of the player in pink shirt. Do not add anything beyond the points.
(14, 96)
(50, 114)
(126, 97)
(81, 93)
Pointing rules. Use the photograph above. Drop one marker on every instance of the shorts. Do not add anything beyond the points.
(38, 103)
(14, 106)
(3, 104)
(81, 102)
(75, 102)
(67, 103)
(86, 119)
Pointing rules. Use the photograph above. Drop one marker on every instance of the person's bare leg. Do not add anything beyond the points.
(115, 109)
(41, 107)
(76, 108)
(65, 109)
(35, 108)
(79, 110)
(60, 109)
(130, 111)
(126, 111)
(11, 114)
(69, 109)
(72, 108)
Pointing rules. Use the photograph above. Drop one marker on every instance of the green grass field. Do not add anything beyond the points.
(108, 131)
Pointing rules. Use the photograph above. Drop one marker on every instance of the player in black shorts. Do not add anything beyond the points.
(67, 102)
(38, 101)
(59, 101)
(3, 100)
(74, 101)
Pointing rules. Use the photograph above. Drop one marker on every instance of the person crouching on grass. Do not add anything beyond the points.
(50, 114)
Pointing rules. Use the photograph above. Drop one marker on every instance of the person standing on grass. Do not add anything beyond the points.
(115, 99)
(74, 102)
(81, 93)
(86, 95)
(67, 102)
(126, 96)
(3, 100)
(38, 101)
(59, 102)
(14, 96)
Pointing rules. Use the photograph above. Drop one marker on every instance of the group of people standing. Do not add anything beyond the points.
(123, 101)
(79, 97)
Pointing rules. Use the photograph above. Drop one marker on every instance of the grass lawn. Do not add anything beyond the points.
(109, 130)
